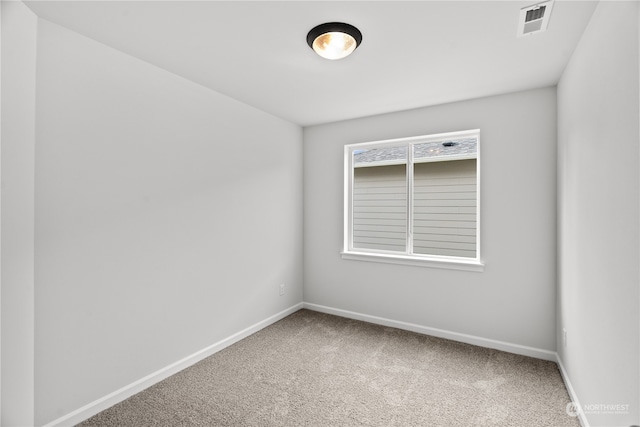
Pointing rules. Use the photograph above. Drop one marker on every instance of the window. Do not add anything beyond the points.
(414, 201)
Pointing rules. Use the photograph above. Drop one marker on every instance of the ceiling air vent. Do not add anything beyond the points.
(534, 19)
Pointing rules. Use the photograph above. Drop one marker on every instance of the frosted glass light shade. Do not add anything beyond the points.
(334, 45)
(334, 40)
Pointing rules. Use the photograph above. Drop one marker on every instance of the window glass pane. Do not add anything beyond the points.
(378, 156)
(380, 199)
(444, 208)
(437, 150)
(421, 203)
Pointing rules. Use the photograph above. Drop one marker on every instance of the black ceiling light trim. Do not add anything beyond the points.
(316, 41)
(334, 27)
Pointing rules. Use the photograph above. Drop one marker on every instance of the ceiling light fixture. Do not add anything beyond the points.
(334, 40)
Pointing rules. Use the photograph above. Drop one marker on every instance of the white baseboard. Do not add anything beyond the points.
(127, 391)
(441, 333)
(572, 393)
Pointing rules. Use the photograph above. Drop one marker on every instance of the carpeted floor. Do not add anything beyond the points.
(314, 369)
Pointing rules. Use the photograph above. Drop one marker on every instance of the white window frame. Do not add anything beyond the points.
(409, 258)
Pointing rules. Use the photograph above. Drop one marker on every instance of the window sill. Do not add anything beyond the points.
(433, 262)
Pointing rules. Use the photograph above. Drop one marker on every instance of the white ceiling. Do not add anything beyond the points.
(414, 54)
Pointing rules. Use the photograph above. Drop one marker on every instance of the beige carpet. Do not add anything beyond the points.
(313, 369)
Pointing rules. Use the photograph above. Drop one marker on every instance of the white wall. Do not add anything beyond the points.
(513, 300)
(17, 223)
(599, 215)
(166, 217)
